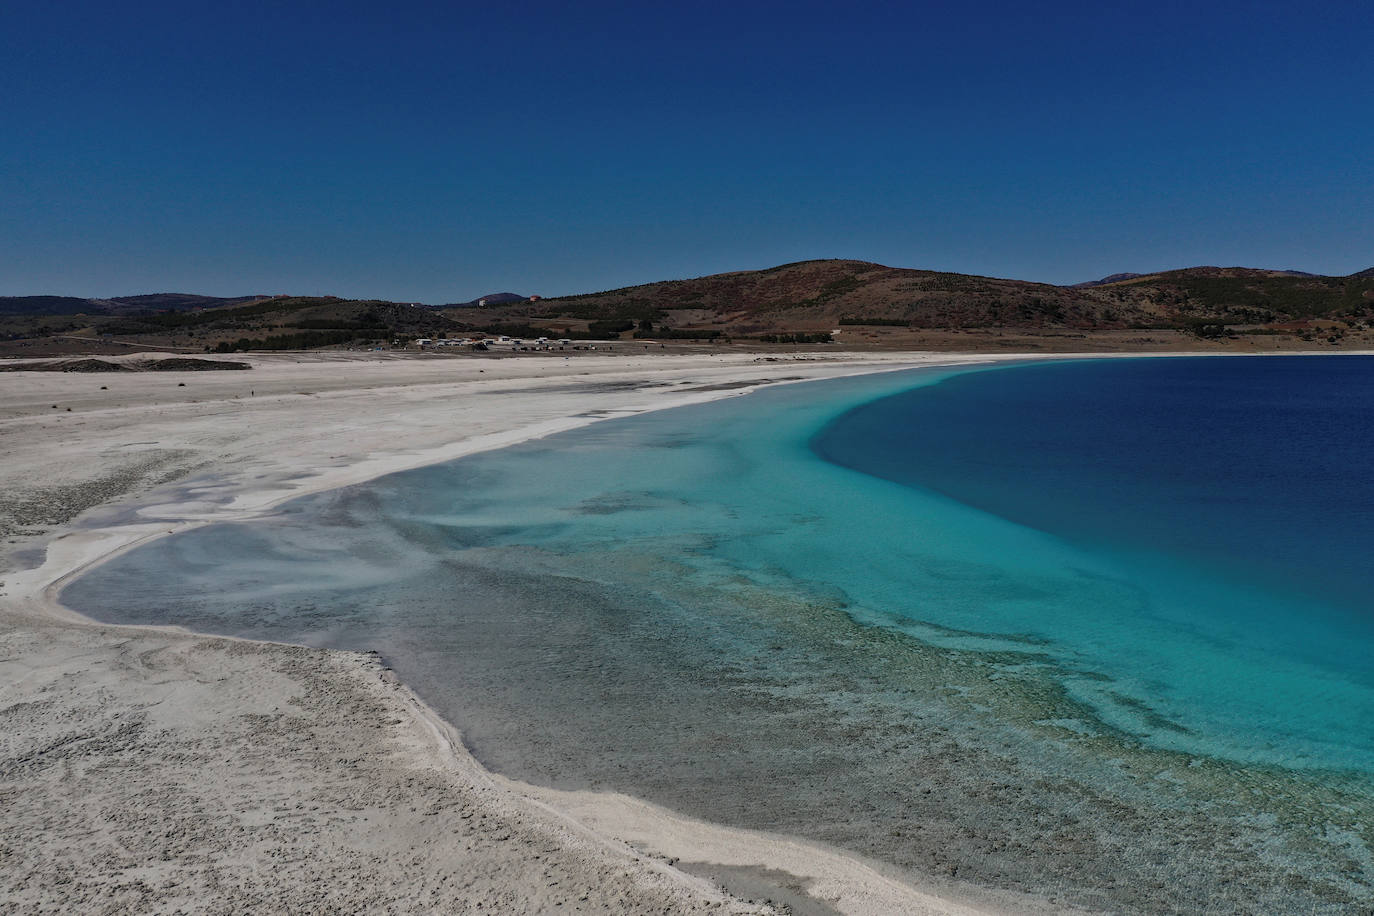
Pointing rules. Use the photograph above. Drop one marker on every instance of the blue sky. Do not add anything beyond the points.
(434, 152)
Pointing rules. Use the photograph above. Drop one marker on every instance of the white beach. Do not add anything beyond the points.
(155, 770)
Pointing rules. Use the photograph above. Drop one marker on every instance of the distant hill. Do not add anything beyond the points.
(1214, 271)
(489, 299)
(177, 302)
(1251, 296)
(799, 302)
(820, 294)
(1112, 278)
(248, 323)
(45, 305)
(1209, 271)
(156, 302)
(815, 295)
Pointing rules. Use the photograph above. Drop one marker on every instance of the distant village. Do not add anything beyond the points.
(504, 342)
(480, 341)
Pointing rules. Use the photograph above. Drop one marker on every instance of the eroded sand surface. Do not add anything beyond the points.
(152, 770)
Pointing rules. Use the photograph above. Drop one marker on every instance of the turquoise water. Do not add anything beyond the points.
(1219, 512)
(776, 612)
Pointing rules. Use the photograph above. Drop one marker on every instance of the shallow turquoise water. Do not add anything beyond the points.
(1212, 523)
(697, 607)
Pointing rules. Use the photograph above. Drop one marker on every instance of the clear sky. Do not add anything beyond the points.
(435, 152)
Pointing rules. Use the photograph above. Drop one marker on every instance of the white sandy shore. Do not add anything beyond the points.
(153, 770)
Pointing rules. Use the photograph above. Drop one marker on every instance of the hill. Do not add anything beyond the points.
(175, 302)
(46, 305)
(157, 302)
(1249, 296)
(290, 323)
(1112, 278)
(818, 295)
(489, 299)
(803, 302)
(276, 323)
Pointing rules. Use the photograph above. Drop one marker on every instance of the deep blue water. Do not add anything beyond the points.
(1235, 494)
(1260, 469)
(933, 617)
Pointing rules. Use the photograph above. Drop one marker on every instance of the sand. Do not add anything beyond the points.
(153, 770)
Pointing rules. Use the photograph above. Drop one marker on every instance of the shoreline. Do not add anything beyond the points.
(49, 578)
(841, 881)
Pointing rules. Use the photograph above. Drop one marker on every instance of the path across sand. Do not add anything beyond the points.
(153, 770)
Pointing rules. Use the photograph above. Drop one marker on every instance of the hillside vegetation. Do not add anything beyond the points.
(828, 294)
(120, 305)
(799, 303)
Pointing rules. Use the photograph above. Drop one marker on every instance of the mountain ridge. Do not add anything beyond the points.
(489, 299)
(799, 302)
(116, 305)
(821, 294)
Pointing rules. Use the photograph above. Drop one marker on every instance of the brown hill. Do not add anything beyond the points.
(1110, 278)
(801, 302)
(119, 305)
(818, 295)
(278, 323)
(1243, 295)
(822, 294)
